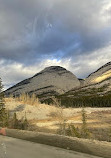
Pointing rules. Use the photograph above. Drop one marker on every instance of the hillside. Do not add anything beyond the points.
(52, 118)
(101, 75)
(54, 80)
(61, 83)
(95, 90)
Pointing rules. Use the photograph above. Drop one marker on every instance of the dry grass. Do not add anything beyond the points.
(54, 118)
(26, 99)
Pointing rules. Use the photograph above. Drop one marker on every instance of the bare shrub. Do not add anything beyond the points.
(59, 109)
(59, 115)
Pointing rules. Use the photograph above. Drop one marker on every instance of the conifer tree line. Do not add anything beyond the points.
(5, 119)
(86, 101)
(3, 113)
(83, 101)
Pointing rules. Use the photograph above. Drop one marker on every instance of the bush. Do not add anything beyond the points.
(14, 123)
(73, 131)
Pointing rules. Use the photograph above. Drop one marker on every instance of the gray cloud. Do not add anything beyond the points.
(33, 32)
(42, 26)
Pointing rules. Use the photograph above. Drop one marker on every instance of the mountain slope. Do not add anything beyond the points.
(52, 80)
(95, 90)
(99, 81)
(57, 81)
(102, 74)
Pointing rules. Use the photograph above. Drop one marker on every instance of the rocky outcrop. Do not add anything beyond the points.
(52, 80)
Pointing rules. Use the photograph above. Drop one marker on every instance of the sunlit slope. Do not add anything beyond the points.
(96, 84)
(101, 75)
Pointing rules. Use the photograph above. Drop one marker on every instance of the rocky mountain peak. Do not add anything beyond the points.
(53, 69)
(56, 80)
(51, 80)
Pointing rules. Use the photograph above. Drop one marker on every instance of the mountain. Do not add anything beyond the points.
(95, 90)
(98, 81)
(101, 75)
(61, 83)
(54, 80)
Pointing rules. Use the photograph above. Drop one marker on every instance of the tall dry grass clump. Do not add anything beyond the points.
(59, 108)
(59, 115)
(64, 127)
(27, 99)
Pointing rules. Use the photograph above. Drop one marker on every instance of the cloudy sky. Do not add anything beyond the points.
(34, 34)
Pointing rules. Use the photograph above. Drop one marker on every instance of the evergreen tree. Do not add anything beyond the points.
(15, 121)
(85, 132)
(3, 113)
(25, 123)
